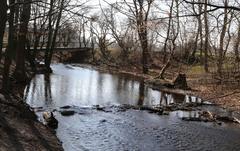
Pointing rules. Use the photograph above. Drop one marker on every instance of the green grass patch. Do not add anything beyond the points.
(197, 69)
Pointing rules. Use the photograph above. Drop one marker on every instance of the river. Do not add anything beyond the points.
(83, 88)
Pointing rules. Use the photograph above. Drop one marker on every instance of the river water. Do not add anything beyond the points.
(88, 129)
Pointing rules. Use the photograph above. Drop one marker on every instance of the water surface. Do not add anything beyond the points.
(130, 130)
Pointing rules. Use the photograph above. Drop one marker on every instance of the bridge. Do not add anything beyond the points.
(73, 55)
(62, 49)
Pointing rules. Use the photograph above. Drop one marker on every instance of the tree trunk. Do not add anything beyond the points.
(199, 34)
(168, 33)
(222, 36)
(9, 54)
(236, 45)
(206, 45)
(142, 32)
(50, 31)
(49, 57)
(165, 67)
(142, 19)
(20, 72)
(3, 18)
(145, 53)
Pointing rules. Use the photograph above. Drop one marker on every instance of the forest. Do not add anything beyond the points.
(184, 49)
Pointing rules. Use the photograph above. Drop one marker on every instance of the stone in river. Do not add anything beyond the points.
(67, 112)
(103, 120)
(66, 107)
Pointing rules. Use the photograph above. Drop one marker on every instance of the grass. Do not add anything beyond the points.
(196, 69)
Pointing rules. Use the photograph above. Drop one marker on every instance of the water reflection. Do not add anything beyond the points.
(85, 87)
(178, 98)
(164, 99)
(130, 130)
(47, 88)
(141, 93)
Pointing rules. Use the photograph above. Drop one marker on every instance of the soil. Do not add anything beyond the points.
(19, 127)
(224, 96)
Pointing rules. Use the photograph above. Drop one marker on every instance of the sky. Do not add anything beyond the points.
(161, 13)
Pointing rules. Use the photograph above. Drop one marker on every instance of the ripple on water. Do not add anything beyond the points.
(118, 130)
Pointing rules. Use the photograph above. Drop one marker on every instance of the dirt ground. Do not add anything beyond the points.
(227, 96)
(19, 127)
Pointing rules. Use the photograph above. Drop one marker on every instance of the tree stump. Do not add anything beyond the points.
(180, 82)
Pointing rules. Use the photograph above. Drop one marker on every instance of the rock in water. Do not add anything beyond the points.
(191, 119)
(103, 120)
(50, 120)
(67, 112)
(180, 82)
(66, 107)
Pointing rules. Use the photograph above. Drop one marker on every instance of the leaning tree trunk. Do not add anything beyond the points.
(165, 67)
(20, 73)
(3, 18)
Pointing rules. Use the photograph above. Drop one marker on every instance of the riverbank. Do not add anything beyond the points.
(19, 127)
(200, 83)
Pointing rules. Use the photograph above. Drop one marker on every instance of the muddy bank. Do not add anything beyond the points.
(227, 98)
(20, 129)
